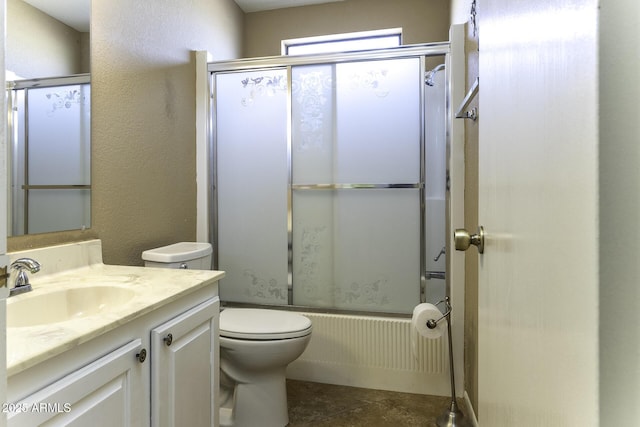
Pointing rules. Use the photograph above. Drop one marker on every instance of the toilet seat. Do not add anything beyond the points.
(262, 324)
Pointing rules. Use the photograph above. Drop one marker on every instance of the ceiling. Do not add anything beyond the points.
(76, 13)
(259, 5)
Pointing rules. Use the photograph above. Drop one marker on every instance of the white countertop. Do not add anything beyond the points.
(153, 287)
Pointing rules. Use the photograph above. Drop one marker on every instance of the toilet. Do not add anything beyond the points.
(256, 345)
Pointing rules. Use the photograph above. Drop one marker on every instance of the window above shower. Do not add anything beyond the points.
(347, 42)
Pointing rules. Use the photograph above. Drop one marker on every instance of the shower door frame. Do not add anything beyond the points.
(421, 51)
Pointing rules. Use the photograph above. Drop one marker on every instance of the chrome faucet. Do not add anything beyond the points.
(22, 284)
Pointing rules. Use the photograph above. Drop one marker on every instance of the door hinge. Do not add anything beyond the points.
(4, 276)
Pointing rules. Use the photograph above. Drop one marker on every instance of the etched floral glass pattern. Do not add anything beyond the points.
(312, 123)
(59, 151)
(357, 250)
(59, 135)
(251, 163)
(356, 123)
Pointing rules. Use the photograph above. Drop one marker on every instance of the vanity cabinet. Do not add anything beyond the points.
(160, 369)
(182, 374)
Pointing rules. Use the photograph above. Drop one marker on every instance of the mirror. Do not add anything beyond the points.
(48, 83)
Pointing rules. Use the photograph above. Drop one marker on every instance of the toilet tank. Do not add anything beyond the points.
(191, 255)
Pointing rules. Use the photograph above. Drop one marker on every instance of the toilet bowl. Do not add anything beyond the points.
(256, 345)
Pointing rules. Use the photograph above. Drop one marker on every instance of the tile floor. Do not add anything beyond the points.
(324, 405)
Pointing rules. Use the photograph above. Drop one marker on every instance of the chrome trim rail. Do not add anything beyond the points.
(431, 49)
(75, 79)
(323, 310)
(418, 185)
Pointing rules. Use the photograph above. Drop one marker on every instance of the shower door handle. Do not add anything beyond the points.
(463, 239)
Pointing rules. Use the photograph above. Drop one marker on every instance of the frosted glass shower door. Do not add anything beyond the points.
(356, 185)
(252, 182)
(58, 174)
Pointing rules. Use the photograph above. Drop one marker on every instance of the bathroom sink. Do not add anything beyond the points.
(62, 305)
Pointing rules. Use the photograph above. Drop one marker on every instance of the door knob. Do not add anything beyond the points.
(463, 239)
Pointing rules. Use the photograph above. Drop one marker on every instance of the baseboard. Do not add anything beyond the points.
(470, 414)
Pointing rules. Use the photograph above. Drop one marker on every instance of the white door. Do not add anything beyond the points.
(538, 278)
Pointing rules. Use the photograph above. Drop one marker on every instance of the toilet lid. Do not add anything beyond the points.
(262, 324)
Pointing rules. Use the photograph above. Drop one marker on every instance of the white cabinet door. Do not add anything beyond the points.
(107, 392)
(184, 368)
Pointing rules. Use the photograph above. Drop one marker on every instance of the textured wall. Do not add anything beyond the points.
(422, 21)
(619, 313)
(143, 122)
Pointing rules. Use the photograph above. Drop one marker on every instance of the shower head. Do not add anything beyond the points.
(429, 75)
